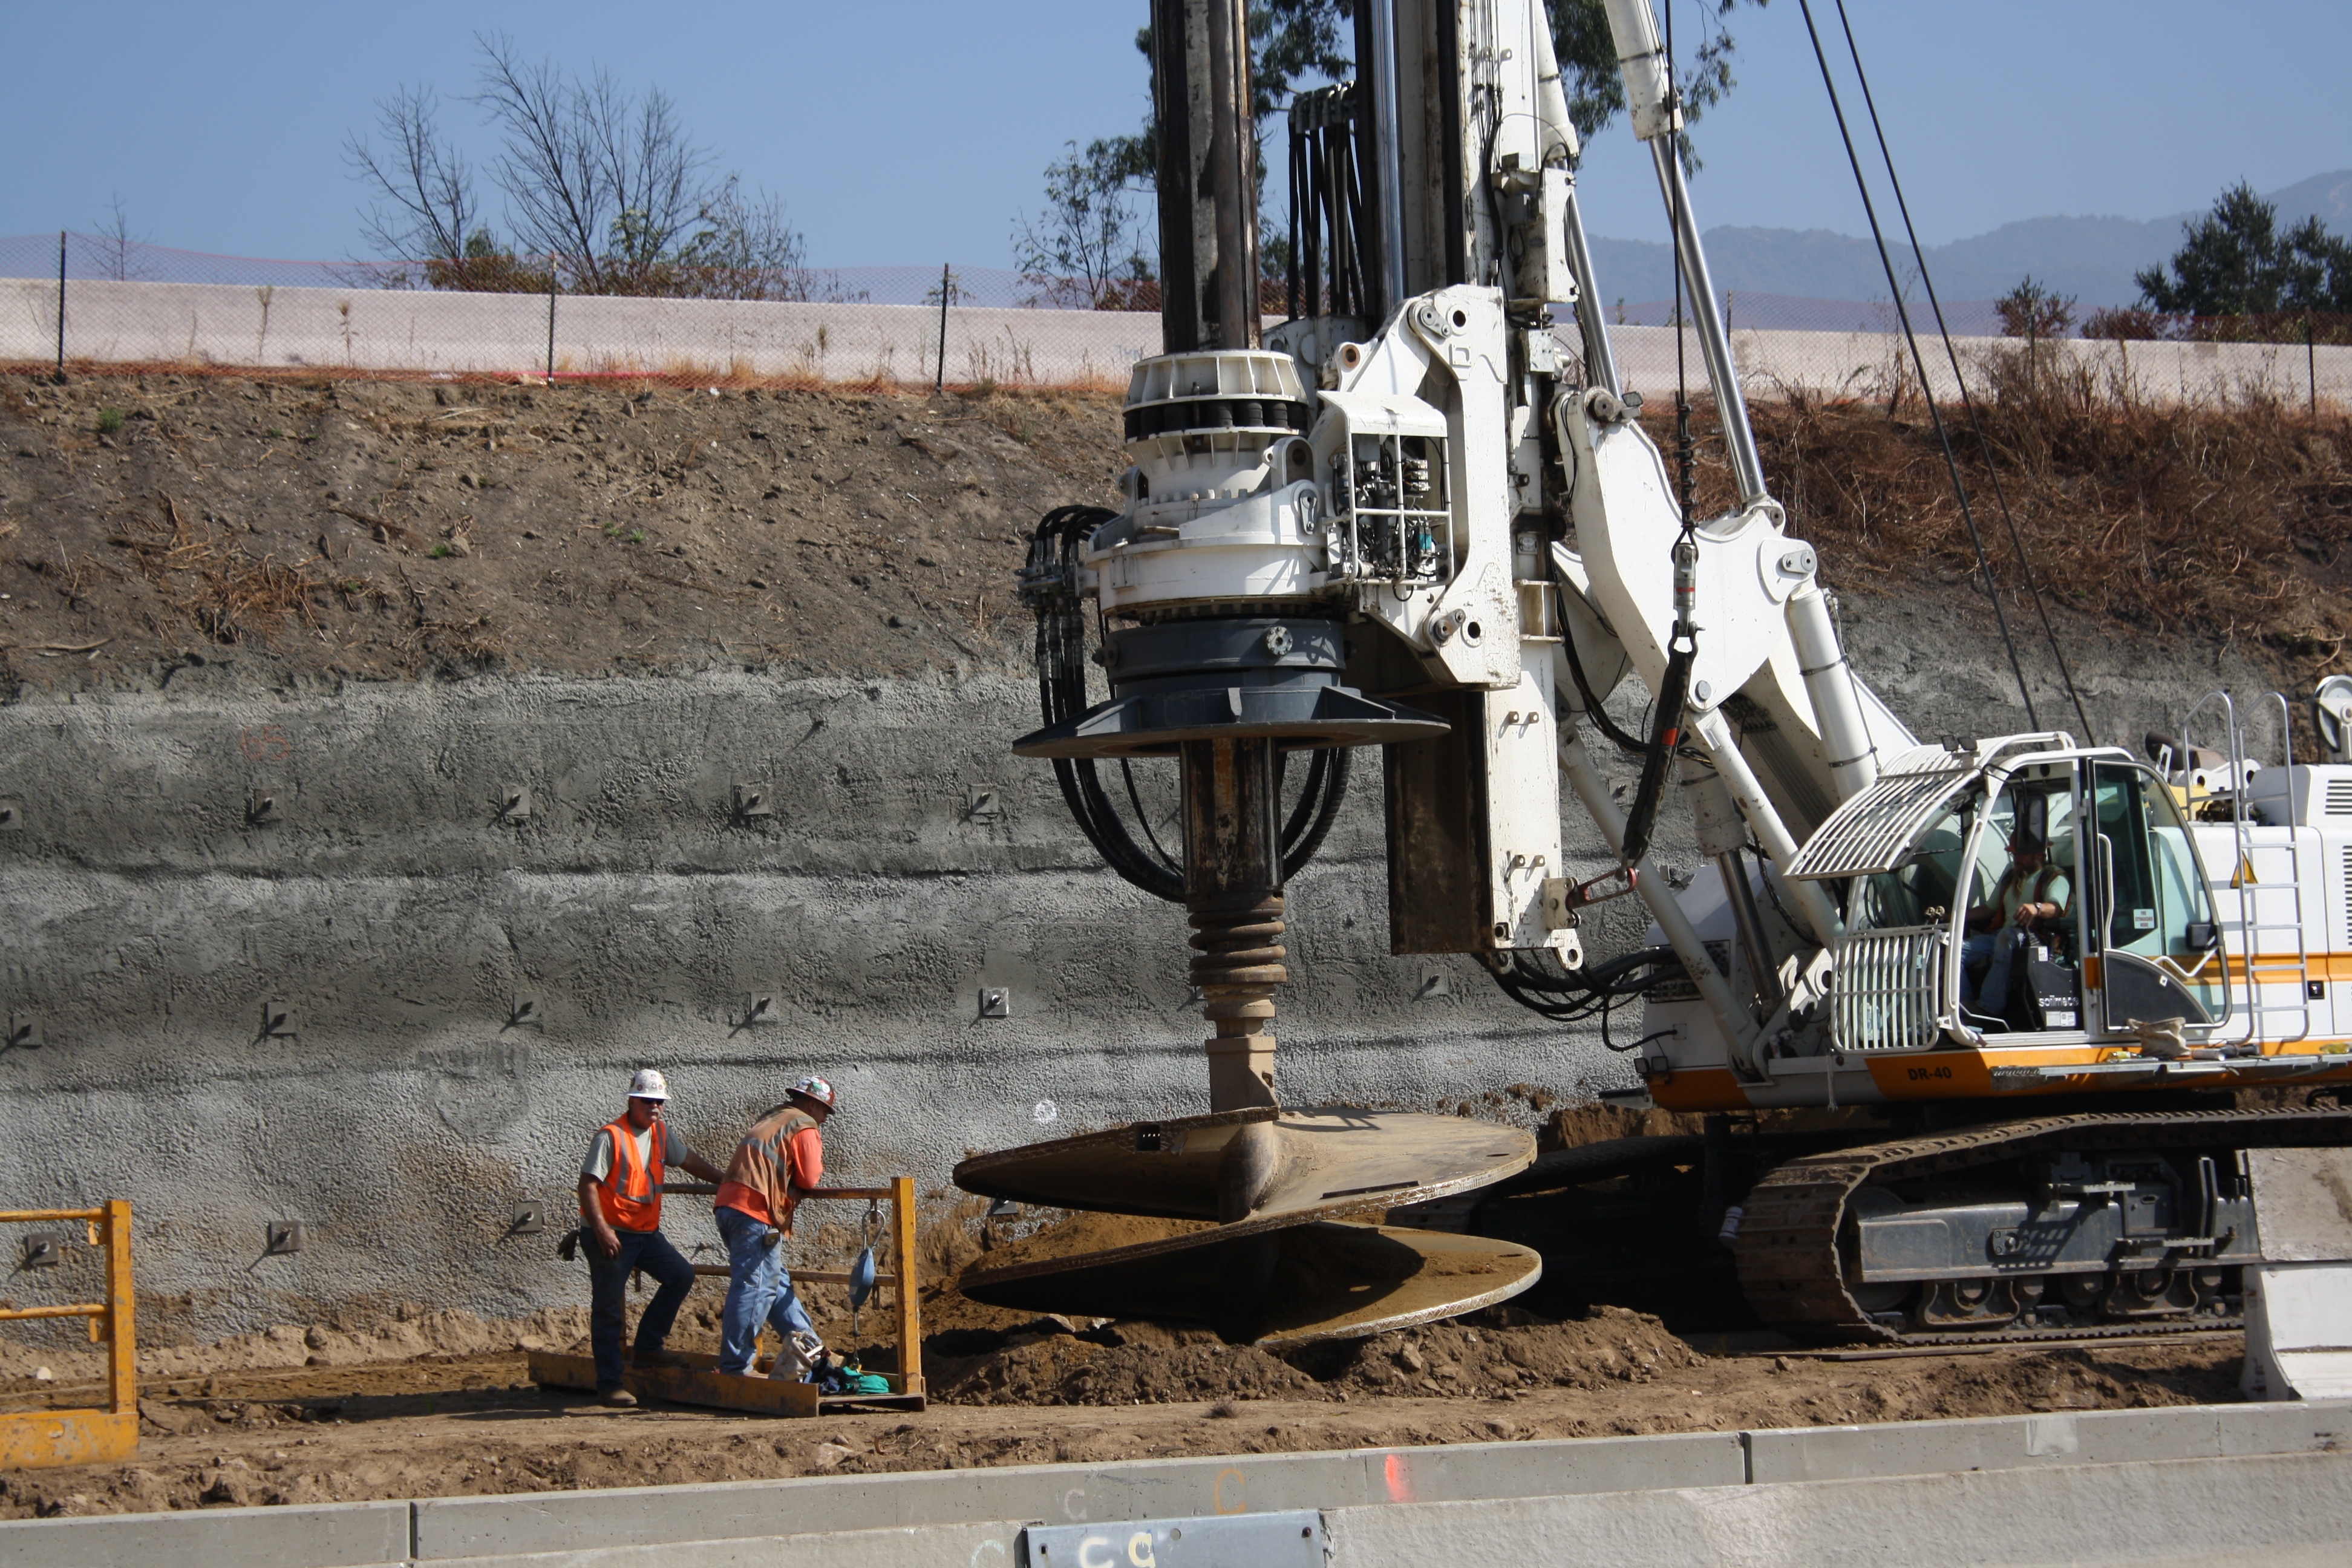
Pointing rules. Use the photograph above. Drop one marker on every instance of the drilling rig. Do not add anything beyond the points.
(1418, 515)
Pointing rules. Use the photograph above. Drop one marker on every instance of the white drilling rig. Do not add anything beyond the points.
(1414, 516)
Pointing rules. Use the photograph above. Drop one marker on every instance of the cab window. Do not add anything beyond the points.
(2161, 911)
(1920, 891)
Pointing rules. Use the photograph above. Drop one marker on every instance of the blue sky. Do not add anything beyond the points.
(910, 131)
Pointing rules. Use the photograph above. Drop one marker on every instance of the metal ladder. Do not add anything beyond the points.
(2255, 921)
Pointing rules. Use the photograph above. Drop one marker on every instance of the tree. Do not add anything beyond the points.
(605, 183)
(118, 250)
(423, 205)
(2233, 261)
(2032, 311)
(1086, 244)
(1292, 41)
(1596, 86)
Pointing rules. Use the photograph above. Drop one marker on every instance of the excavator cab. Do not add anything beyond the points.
(2135, 920)
(1952, 840)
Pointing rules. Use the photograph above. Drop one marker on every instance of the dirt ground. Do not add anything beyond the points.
(348, 530)
(444, 1424)
(439, 1403)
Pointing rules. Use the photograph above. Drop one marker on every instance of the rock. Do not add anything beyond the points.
(829, 1455)
(43, 1375)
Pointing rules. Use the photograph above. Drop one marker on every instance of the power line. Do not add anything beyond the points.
(1903, 314)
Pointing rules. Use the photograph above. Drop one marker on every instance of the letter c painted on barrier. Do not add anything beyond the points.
(995, 1546)
(1241, 1486)
(1142, 1542)
(1088, 1545)
(1070, 1511)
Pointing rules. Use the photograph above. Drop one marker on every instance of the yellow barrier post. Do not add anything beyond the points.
(46, 1437)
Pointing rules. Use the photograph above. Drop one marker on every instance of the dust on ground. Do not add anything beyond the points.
(350, 530)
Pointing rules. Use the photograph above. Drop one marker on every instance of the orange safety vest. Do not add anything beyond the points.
(631, 1193)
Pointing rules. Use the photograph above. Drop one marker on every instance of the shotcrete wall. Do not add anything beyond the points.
(398, 914)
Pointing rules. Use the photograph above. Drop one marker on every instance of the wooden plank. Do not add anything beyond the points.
(908, 1291)
(689, 1384)
(699, 1381)
(43, 1438)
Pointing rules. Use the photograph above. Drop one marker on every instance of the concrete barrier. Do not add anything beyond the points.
(1155, 1489)
(328, 1535)
(2206, 1482)
(2270, 1512)
(359, 329)
(2011, 1442)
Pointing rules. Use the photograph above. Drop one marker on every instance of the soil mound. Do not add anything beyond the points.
(411, 1332)
(1138, 1363)
(1048, 1362)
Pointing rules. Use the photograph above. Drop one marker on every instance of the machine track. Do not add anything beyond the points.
(1793, 1263)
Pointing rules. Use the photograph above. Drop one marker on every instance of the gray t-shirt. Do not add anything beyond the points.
(599, 1163)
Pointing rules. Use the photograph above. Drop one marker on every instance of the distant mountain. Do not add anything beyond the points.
(2092, 259)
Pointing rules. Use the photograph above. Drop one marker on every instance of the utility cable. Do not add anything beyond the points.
(1935, 415)
(1968, 401)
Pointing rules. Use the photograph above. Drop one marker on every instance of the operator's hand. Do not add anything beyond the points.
(607, 1242)
(2027, 914)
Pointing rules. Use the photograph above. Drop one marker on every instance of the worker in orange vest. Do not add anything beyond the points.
(620, 1208)
(779, 1161)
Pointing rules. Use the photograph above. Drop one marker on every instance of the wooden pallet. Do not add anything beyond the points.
(696, 1380)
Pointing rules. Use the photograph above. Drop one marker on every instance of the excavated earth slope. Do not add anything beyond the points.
(312, 534)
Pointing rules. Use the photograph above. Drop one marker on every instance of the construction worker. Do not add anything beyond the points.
(2030, 898)
(620, 1208)
(778, 1162)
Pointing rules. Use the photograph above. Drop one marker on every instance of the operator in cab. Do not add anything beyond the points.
(619, 1209)
(2029, 904)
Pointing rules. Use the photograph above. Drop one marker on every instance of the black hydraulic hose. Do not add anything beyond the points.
(1666, 736)
(1303, 834)
(1593, 709)
(1062, 695)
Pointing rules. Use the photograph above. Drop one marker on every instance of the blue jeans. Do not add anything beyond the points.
(1991, 997)
(758, 1290)
(608, 1280)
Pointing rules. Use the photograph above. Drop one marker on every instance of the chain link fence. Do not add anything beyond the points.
(70, 301)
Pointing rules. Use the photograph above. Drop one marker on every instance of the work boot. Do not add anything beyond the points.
(620, 1398)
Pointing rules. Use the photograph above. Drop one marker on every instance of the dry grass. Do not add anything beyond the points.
(226, 593)
(2228, 522)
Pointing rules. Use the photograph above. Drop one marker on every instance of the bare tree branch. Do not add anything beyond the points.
(421, 206)
(118, 247)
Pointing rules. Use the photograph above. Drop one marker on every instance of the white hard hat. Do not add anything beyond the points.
(816, 1089)
(649, 1084)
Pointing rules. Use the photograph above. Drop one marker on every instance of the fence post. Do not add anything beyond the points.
(61, 307)
(2310, 368)
(551, 319)
(940, 381)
